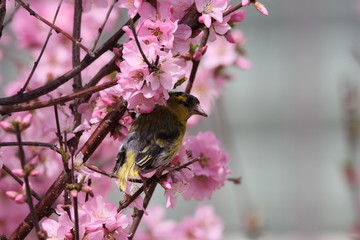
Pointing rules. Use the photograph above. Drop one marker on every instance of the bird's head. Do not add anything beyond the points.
(184, 105)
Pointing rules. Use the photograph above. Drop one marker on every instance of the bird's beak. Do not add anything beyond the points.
(199, 111)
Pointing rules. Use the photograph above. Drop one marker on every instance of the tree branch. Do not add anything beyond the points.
(196, 63)
(36, 63)
(27, 171)
(232, 9)
(100, 30)
(43, 208)
(88, 59)
(77, 84)
(56, 28)
(52, 102)
(2, 15)
(138, 214)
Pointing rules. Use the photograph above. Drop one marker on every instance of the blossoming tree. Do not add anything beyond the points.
(66, 115)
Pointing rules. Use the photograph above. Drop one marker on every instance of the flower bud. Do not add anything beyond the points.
(166, 184)
(87, 189)
(229, 37)
(6, 126)
(68, 235)
(117, 52)
(261, 8)
(201, 19)
(186, 56)
(18, 172)
(11, 194)
(27, 120)
(238, 16)
(34, 173)
(74, 193)
(20, 199)
(204, 49)
(197, 56)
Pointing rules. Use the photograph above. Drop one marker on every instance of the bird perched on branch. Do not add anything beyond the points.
(155, 138)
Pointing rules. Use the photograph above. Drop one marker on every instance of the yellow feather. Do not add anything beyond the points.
(127, 170)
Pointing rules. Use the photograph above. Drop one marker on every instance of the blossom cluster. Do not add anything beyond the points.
(201, 178)
(204, 224)
(166, 44)
(100, 220)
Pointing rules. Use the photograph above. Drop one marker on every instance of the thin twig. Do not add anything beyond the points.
(76, 212)
(138, 214)
(59, 135)
(235, 180)
(132, 198)
(77, 83)
(102, 172)
(28, 96)
(2, 15)
(196, 63)
(53, 26)
(43, 208)
(87, 193)
(52, 102)
(104, 71)
(101, 29)
(36, 63)
(26, 180)
(186, 164)
(153, 179)
(151, 66)
(17, 179)
(58, 129)
(232, 9)
(37, 144)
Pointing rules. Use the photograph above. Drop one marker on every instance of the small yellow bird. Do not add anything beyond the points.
(155, 138)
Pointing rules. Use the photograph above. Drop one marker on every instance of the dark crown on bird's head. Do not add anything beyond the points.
(181, 100)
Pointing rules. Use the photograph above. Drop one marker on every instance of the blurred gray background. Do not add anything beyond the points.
(285, 119)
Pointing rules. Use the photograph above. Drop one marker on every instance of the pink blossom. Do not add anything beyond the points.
(143, 87)
(132, 6)
(176, 183)
(22, 121)
(97, 219)
(204, 225)
(219, 53)
(158, 31)
(261, 8)
(219, 29)
(181, 42)
(18, 197)
(238, 16)
(210, 172)
(155, 226)
(200, 179)
(211, 9)
(243, 63)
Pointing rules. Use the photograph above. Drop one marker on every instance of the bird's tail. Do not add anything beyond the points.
(127, 171)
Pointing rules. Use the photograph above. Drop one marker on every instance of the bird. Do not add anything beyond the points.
(154, 138)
